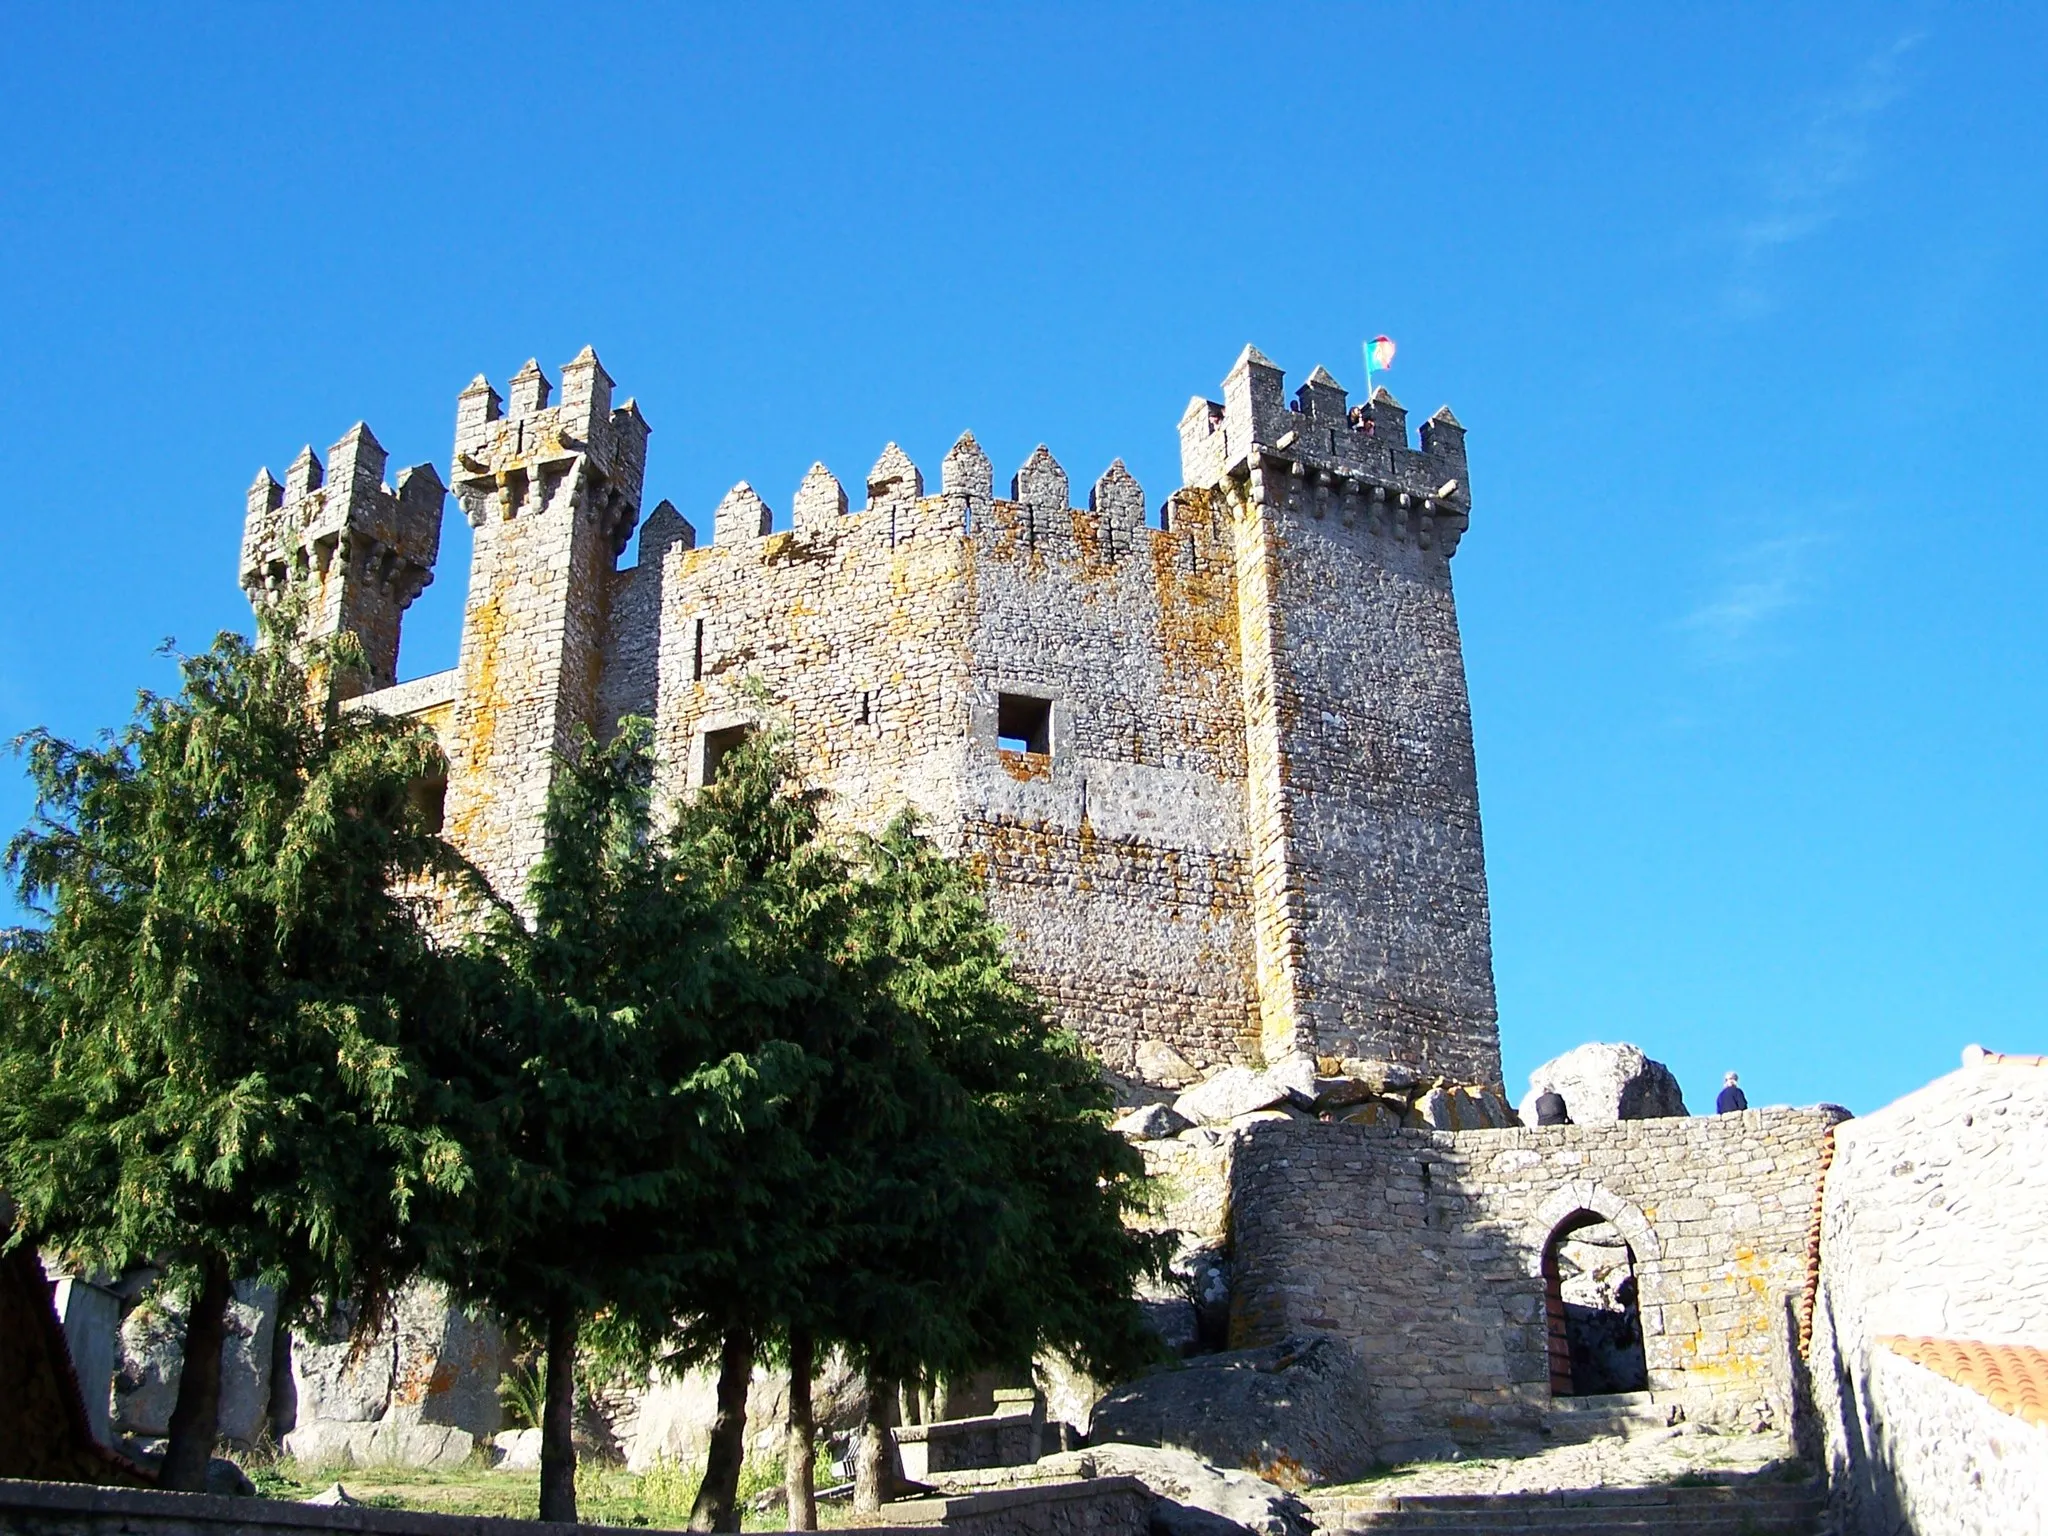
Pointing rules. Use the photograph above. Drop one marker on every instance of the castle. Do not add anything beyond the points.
(1218, 773)
(1218, 770)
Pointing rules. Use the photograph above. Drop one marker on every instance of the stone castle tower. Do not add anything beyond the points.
(1218, 772)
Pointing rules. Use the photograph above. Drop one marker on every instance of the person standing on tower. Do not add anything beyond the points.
(1732, 1097)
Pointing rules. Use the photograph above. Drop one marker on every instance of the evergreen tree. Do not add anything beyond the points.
(994, 1226)
(614, 1179)
(212, 1054)
(754, 843)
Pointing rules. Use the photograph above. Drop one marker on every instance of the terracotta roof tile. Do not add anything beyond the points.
(2013, 1377)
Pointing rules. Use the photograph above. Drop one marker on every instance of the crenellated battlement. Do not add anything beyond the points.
(1040, 498)
(519, 455)
(1357, 456)
(358, 550)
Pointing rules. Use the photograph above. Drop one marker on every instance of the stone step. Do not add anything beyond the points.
(1783, 1509)
(1622, 1414)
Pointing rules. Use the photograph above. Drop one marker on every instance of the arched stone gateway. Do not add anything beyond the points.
(1591, 1249)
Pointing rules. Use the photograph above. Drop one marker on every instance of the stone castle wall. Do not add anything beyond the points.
(1254, 829)
(1425, 1252)
(886, 638)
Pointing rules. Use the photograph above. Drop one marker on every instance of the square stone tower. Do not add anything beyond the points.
(1362, 803)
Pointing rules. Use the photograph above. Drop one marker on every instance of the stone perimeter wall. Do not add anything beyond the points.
(1423, 1250)
(1934, 1224)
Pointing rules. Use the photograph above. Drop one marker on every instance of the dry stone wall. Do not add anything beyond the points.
(1425, 1252)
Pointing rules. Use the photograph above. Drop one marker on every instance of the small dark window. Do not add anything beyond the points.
(717, 744)
(1024, 724)
(697, 654)
(866, 707)
(430, 799)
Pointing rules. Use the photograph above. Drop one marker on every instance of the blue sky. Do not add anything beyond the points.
(1744, 307)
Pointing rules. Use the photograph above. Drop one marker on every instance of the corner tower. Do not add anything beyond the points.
(1370, 923)
(553, 493)
(356, 551)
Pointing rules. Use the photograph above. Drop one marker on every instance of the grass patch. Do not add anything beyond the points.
(659, 1498)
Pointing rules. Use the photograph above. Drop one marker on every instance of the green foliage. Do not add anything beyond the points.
(634, 1073)
(523, 1393)
(213, 1050)
(940, 1190)
(720, 1077)
(1031, 1250)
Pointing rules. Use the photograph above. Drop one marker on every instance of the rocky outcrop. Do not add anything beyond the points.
(431, 1364)
(1192, 1498)
(1233, 1092)
(150, 1363)
(1360, 1092)
(1151, 1122)
(668, 1417)
(1601, 1084)
(1295, 1413)
(332, 1444)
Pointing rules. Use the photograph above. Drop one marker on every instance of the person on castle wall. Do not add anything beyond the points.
(1550, 1108)
(1732, 1099)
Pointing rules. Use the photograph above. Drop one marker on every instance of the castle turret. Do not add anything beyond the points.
(352, 549)
(1370, 918)
(553, 492)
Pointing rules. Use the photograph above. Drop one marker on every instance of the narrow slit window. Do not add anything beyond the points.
(866, 707)
(697, 654)
(718, 745)
(1024, 724)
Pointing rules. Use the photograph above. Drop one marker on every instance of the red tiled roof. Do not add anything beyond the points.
(2013, 1377)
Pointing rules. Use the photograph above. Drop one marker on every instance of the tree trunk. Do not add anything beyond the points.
(878, 1469)
(799, 1440)
(558, 1420)
(718, 1496)
(195, 1421)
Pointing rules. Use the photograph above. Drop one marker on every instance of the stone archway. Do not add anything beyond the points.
(1592, 1252)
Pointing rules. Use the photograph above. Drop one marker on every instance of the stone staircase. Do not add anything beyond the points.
(1618, 1414)
(1758, 1508)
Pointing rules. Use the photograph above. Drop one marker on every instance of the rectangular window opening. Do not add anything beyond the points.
(697, 655)
(1024, 724)
(866, 707)
(430, 799)
(717, 744)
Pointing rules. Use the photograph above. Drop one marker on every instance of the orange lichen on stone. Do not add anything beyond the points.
(1024, 766)
(2013, 1378)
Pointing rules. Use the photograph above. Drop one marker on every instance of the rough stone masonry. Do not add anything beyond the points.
(1218, 772)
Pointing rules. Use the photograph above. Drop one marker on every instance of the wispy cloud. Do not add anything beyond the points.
(1759, 585)
(1806, 184)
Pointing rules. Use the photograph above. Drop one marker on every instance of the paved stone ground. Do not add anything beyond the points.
(1651, 1457)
